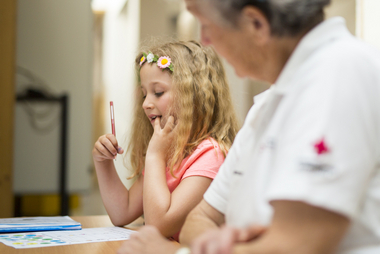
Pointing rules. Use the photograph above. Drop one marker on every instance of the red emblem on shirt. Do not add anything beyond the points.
(321, 147)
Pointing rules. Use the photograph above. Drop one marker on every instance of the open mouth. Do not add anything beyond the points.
(154, 117)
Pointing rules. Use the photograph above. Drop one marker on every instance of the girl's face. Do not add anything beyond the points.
(156, 86)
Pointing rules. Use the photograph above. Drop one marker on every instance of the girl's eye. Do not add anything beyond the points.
(144, 96)
(159, 94)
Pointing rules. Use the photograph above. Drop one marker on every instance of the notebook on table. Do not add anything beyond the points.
(46, 223)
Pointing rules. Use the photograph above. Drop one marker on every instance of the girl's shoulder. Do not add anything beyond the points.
(207, 144)
(204, 161)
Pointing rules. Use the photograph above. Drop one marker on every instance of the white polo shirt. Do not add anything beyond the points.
(313, 137)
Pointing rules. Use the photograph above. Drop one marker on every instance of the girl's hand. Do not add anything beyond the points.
(106, 148)
(162, 138)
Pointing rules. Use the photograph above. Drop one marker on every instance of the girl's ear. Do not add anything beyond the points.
(255, 23)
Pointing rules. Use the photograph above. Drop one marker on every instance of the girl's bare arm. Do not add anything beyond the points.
(167, 211)
(122, 206)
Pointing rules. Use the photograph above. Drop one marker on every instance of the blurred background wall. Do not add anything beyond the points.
(86, 49)
(54, 56)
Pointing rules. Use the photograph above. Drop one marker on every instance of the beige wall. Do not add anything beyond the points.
(155, 19)
(54, 41)
(120, 42)
(369, 21)
(345, 9)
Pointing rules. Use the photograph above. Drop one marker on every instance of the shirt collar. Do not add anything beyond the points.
(327, 31)
(259, 98)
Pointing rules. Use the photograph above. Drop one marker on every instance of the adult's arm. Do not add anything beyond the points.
(296, 228)
(299, 228)
(200, 220)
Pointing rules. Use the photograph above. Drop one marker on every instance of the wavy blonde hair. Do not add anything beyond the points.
(201, 102)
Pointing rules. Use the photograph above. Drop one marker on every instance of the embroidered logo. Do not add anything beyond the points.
(320, 162)
(321, 147)
(315, 167)
(269, 144)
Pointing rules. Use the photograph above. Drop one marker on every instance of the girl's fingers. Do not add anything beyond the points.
(120, 150)
(102, 151)
(175, 124)
(169, 125)
(157, 124)
(109, 146)
(113, 139)
(106, 148)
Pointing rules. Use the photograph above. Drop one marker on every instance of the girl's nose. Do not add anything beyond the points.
(147, 104)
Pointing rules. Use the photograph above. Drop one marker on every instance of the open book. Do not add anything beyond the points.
(25, 224)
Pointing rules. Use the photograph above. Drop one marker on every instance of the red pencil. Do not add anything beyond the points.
(112, 120)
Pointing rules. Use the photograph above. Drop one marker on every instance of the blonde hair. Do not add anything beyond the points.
(201, 102)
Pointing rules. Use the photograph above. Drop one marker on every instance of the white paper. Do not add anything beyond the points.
(65, 237)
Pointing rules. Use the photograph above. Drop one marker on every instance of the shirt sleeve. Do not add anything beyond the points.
(218, 192)
(327, 152)
(205, 161)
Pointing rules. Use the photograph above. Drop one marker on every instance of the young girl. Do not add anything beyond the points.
(183, 126)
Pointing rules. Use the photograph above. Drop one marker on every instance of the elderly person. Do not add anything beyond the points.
(303, 173)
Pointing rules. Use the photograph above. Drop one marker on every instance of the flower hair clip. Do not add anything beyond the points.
(163, 62)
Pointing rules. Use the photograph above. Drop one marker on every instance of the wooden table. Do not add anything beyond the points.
(93, 248)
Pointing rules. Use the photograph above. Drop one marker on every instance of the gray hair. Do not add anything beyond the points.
(286, 17)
